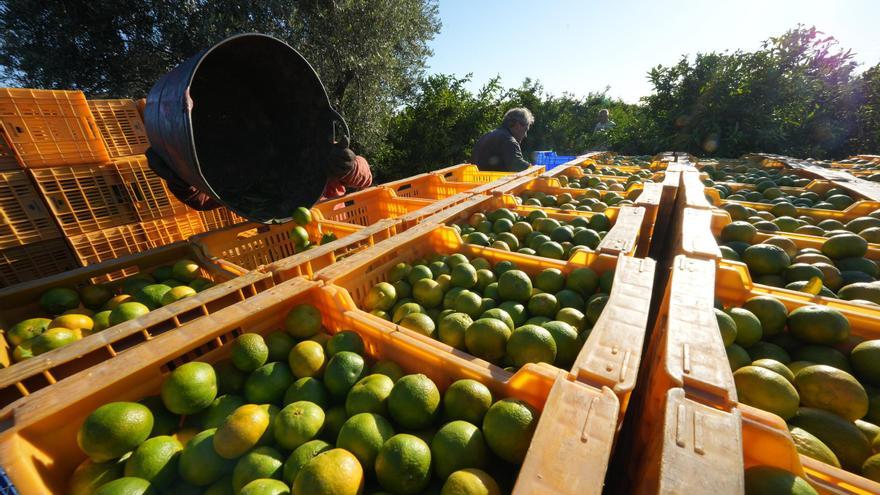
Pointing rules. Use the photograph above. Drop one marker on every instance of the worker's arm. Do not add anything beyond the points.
(512, 155)
(184, 192)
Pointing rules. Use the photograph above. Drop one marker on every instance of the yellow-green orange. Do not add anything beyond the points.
(363, 435)
(770, 312)
(508, 428)
(26, 329)
(414, 402)
(381, 296)
(370, 394)
(190, 388)
(727, 327)
(847, 442)
(199, 463)
(486, 338)
(748, 327)
(388, 368)
(241, 431)
(303, 321)
(185, 270)
(127, 311)
(53, 338)
(451, 329)
(306, 359)
(831, 389)
(265, 486)
(767, 480)
(335, 471)
(89, 476)
(249, 352)
(261, 462)
(155, 460)
(176, 294)
(467, 400)
(807, 444)
(566, 339)
(420, 323)
(58, 300)
(767, 390)
(126, 486)
(818, 325)
(515, 285)
(765, 259)
(774, 365)
(267, 384)
(865, 359)
(531, 344)
(470, 482)
(343, 371)
(403, 465)
(114, 429)
(300, 456)
(458, 445)
(298, 423)
(95, 296)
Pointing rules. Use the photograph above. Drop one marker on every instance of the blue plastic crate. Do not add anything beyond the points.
(549, 159)
(6, 486)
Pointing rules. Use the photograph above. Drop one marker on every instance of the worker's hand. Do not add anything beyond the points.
(341, 159)
(184, 192)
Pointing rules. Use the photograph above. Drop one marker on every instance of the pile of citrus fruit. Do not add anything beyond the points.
(785, 217)
(302, 217)
(807, 367)
(302, 412)
(593, 182)
(498, 313)
(534, 233)
(578, 199)
(840, 265)
(69, 314)
(643, 161)
(776, 189)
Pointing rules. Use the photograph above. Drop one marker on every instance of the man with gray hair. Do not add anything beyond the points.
(499, 150)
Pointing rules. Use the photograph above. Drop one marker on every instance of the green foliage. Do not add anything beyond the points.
(793, 96)
(797, 95)
(443, 121)
(369, 53)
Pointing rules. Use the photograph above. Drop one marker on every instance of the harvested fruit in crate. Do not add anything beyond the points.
(534, 234)
(760, 178)
(643, 161)
(302, 217)
(784, 217)
(588, 181)
(839, 263)
(769, 480)
(587, 200)
(807, 367)
(319, 419)
(71, 314)
(498, 313)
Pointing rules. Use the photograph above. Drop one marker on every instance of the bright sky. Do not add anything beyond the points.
(583, 46)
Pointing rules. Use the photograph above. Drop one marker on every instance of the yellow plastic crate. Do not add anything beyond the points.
(613, 351)
(568, 455)
(42, 372)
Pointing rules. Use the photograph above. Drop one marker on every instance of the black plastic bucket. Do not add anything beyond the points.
(248, 122)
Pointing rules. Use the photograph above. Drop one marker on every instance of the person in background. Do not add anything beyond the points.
(601, 129)
(499, 150)
(345, 171)
(605, 123)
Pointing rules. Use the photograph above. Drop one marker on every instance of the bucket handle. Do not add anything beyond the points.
(337, 118)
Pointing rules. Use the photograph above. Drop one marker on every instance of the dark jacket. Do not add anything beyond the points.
(499, 151)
